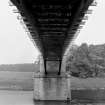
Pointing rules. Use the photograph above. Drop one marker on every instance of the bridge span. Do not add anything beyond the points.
(53, 24)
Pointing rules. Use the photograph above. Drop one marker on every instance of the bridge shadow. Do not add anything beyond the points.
(66, 103)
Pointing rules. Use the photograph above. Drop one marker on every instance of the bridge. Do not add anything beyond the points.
(53, 25)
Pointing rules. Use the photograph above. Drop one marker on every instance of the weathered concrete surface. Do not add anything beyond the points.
(52, 67)
(52, 87)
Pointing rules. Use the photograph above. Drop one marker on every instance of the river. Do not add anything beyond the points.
(26, 98)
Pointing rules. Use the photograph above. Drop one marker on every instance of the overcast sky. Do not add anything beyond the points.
(16, 47)
(93, 31)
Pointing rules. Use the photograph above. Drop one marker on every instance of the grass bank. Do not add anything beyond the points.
(89, 83)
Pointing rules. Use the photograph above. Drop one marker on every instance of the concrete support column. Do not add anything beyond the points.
(52, 87)
(41, 63)
(63, 66)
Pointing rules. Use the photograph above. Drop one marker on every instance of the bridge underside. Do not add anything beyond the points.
(52, 24)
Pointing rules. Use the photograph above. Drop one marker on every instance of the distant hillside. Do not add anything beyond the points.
(20, 67)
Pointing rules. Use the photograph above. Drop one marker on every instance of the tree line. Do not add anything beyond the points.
(86, 60)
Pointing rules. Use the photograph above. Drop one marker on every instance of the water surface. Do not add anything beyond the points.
(26, 98)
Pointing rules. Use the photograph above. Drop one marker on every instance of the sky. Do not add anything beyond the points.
(93, 32)
(16, 47)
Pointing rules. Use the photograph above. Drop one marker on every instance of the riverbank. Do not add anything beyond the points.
(90, 89)
(24, 81)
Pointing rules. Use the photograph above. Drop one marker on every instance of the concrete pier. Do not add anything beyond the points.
(52, 86)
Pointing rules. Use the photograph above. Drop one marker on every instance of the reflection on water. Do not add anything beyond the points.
(89, 95)
(64, 103)
(16, 97)
(26, 98)
(52, 103)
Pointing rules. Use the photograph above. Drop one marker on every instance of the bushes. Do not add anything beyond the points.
(86, 62)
